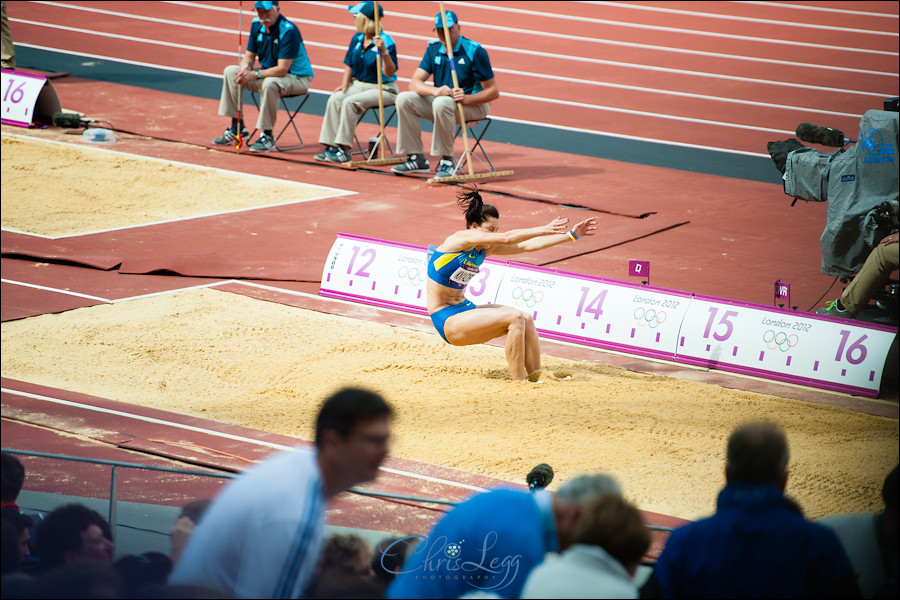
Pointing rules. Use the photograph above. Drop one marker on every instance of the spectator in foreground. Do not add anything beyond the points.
(345, 568)
(609, 541)
(758, 544)
(72, 534)
(262, 536)
(489, 543)
(871, 543)
(16, 537)
(185, 524)
(388, 559)
(12, 478)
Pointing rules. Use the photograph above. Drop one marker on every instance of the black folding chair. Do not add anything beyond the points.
(290, 123)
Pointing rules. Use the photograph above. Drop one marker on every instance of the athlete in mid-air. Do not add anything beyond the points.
(455, 262)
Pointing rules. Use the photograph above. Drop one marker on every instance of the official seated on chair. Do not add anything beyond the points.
(284, 70)
(437, 103)
(359, 89)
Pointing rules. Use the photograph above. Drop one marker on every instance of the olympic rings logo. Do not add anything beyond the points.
(780, 340)
(649, 317)
(411, 275)
(527, 297)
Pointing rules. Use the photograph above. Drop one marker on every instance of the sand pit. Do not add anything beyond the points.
(59, 190)
(238, 360)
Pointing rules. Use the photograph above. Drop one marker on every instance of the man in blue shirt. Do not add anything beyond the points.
(490, 542)
(757, 545)
(284, 70)
(437, 103)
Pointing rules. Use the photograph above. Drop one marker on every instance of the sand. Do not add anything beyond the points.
(234, 359)
(85, 189)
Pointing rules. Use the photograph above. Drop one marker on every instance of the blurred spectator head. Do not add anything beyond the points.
(616, 526)
(74, 533)
(889, 492)
(12, 477)
(345, 410)
(388, 558)
(757, 453)
(23, 525)
(138, 571)
(352, 437)
(185, 524)
(573, 495)
(194, 509)
(346, 554)
(345, 569)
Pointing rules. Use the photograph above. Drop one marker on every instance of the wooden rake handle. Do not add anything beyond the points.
(462, 114)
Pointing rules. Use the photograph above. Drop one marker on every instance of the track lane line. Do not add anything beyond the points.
(220, 434)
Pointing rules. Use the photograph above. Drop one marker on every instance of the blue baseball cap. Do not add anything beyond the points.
(367, 9)
(452, 20)
(265, 5)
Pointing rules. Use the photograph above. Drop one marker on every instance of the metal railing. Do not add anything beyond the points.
(114, 483)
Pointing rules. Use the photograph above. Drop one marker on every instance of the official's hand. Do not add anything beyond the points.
(891, 239)
(379, 43)
(245, 75)
(443, 91)
(458, 94)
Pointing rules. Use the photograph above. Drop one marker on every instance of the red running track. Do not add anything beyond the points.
(720, 75)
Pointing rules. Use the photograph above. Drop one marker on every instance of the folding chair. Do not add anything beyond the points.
(291, 114)
(390, 117)
(477, 128)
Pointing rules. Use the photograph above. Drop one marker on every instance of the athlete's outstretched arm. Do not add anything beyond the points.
(586, 227)
(470, 238)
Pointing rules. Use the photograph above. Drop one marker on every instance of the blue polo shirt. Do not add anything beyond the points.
(489, 543)
(472, 65)
(288, 43)
(363, 61)
(757, 545)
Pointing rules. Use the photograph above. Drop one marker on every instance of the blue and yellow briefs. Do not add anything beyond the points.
(453, 270)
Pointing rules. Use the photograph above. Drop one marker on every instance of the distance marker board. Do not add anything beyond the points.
(741, 337)
(27, 98)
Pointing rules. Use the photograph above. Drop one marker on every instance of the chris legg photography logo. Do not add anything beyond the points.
(472, 561)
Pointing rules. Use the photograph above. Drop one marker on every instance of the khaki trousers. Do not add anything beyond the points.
(8, 50)
(270, 89)
(882, 261)
(344, 108)
(439, 109)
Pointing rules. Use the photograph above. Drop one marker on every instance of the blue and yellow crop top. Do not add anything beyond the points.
(454, 269)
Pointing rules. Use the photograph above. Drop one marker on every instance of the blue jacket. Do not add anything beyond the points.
(757, 545)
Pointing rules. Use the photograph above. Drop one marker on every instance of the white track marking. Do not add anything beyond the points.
(220, 434)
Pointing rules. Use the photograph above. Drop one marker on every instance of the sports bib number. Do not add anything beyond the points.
(464, 275)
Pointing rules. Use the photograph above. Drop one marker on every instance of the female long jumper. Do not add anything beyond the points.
(456, 261)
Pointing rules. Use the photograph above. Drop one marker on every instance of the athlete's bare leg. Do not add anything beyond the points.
(532, 346)
(488, 322)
